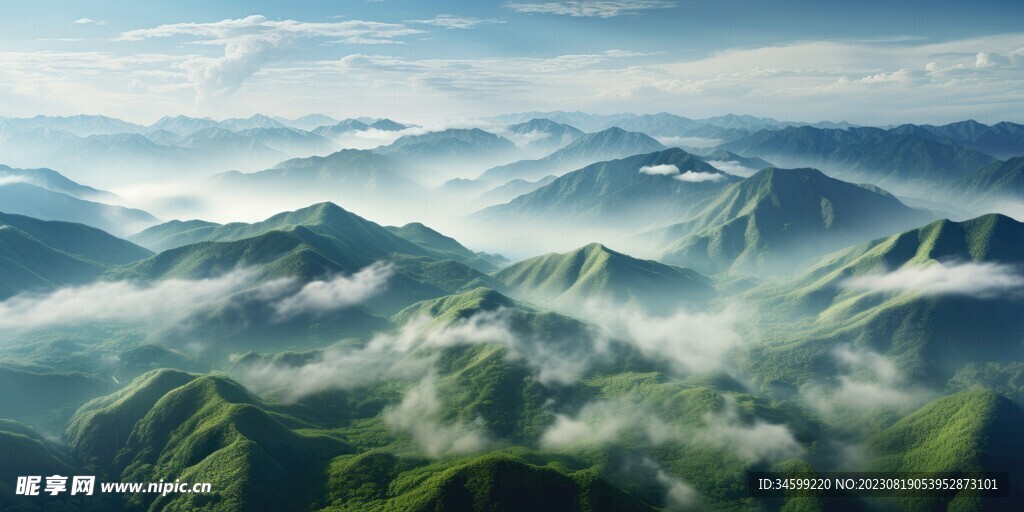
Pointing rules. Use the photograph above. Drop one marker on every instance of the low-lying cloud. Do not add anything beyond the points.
(690, 342)
(755, 442)
(981, 280)
(869, 380)
(598, 423)
(660, 170)
(419, 415)
(699, 177)
(338, 292)
(121, 301)
(732, 167)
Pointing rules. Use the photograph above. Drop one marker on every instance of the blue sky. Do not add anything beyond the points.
(866, 62)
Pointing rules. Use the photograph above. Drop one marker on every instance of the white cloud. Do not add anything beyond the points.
(699, 177)
(8, 180)
(450, 21)
(660, 170)
(419, 416)
(690, 342)
(981, 280)
(339, 292)
(598, 423)
(732, 167)
(252, 42)
(756, 441)
(120, 301)
(88, 21)
(869, 381)
(590, 8)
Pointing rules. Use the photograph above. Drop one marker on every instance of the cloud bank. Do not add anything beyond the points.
(699, 177)
(338, 292)
(660, 170)
(419, 416)
(981, 280)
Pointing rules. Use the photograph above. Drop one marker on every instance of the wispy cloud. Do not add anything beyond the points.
(450, 21)
(754, 441)
(118, 301)
(339, 292)
(88, 21)
(590, 9)
(251, 42)
(868, 380)
(419, 415)
(699, 177)
(598, 423)
(981, 280)
(660, 170)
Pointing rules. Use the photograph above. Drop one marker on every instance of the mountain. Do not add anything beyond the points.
(201, 429)
(227, 145)
(777, 218)
(349, 175)
(753, 124)
(312, 243)
(182, 125)
(911, 306)
(54, 181)
(511, 190)
(581, 120)
(444, 246)
(33, 201)
(544, 135)
(971, 431)
(290, 141)
(307, 122)
(1001, 140)
(387, 125)
(256, 121)
(452, 146)
(734, 164)
(340, 128)
(80, 125)
(173, 234)
(592, 147)
(619, 193)
(595, 272)
(981, 188)
(670, 125)
(43, 255)
(874, 155)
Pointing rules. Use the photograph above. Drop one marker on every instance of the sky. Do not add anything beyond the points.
(867, 62)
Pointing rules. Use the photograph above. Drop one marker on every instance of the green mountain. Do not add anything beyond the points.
(777, 218)
(447, 247)
(171, 234)
(873, 155)
(619, 193)
(349, 174)
(41, 203)
(971, 431)
(930, 335)
(999, 181)
(42, 255)
(592, 147)
(595, 272)
(201, 429)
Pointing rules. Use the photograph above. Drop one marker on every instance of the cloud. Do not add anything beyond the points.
(120, 301)
(732, 167)
(88, 21)
(690, 342)
(8, 180)
(419, 415)
(699, 177)
(981, 280)
(598, 423)
(393, 355)
(755, 441)
(338, 292)
(590, 9)
(868, 381)
(660, 170)
(450, 21)
(251, 42)
(693, 142)
(679, 495)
